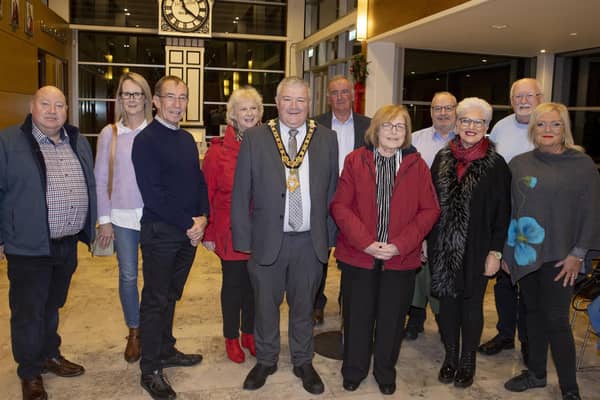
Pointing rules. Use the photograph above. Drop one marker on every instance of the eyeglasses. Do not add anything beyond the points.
(129, 95)
(172, 98)
(439, 109)
(388, 126)
(477, 123)
(336, 93)
(528, 96)
(555, 126)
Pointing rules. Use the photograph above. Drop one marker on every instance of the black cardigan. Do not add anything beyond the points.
(487, 214)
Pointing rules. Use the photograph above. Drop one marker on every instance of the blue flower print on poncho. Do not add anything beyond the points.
(521, 234)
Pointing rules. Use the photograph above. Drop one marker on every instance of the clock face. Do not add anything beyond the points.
(185, 15)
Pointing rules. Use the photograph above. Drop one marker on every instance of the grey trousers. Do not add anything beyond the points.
(297, 273)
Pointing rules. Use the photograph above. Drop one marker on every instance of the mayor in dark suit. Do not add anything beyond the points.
(350, 129)
(285, 177)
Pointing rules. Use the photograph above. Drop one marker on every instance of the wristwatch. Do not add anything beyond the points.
(496, 254)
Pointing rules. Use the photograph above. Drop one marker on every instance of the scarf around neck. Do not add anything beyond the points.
(464, 156)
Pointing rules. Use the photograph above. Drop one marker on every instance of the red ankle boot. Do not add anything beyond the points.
(234, 351)
(248, 343)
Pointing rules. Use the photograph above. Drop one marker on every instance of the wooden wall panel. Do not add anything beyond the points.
(19, 65)
(14, 108)
(385, 15)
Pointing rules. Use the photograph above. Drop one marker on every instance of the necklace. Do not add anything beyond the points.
(293, 181)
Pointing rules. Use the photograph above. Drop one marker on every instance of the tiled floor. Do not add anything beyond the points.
(93, 334)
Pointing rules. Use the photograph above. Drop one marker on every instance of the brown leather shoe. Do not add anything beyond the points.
(33, 389)
(62, 367)
(132, 351)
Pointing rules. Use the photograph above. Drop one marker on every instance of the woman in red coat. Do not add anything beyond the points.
(384, 206)
(244, 111)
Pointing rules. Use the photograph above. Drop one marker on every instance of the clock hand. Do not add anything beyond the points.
(185, 7)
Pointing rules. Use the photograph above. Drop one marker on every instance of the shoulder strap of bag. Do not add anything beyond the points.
(111, 160)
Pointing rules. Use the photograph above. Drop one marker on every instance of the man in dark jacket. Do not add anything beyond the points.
(47, 204)
(350, 129)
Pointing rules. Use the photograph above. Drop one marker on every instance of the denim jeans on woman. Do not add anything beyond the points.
(126, 245)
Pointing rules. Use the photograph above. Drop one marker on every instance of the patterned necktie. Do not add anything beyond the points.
(295, 196)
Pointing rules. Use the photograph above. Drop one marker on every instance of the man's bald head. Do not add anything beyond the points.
(48, 109)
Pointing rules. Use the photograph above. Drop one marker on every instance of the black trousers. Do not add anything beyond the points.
(461, 318)
(38, 289)
(510, 308)
(547, 305)
(167, 258)
(236, 296)
(374, 308)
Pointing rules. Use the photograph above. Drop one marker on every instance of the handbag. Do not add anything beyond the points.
(109, 250)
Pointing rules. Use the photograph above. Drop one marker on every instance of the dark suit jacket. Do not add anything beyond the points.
(259, 193)
(361, 124)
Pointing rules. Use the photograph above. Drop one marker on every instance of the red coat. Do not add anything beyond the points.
(414, 210)
(219, 170)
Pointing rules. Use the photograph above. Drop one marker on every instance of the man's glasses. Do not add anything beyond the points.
(528, 96)
(388, 126)
(477, 123)
(172, 98)
(438, 109)
(129, 95)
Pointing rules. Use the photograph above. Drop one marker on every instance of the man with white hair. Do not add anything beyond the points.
(511, 138)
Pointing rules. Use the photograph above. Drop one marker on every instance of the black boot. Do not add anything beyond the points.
(466, 370)
(448, 370)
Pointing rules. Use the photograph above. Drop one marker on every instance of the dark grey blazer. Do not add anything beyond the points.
(361, 124)
(258, 199)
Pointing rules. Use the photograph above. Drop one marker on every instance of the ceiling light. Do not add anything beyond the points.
(542, 51)
(237, 18)
(573, 34)
(484, 60)
(468, 75)
(126, 45)
(127, 14)
(499, 26)
(412, 72)
(125, 9)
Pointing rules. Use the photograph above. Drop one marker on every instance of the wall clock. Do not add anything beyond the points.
(184, 16)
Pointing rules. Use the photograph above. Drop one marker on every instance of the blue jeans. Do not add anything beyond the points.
(126, 246)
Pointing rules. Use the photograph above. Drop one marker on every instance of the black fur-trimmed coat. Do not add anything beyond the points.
(474, 220)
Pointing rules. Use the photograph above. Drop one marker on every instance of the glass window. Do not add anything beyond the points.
(244, 54)
(464, 75)
(248, 18)
(129, 13)
(319, 14)
(577, 84)
(219, 84)
(122, 48)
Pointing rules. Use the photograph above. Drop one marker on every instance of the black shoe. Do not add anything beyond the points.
(526, 380)
(574, 395)
(350, 386)
(317, 317)
(525, 353)
(466, 371)
(258, 376)
(311, 381)
(179, 359)
(157, 386)
(412, 332)
(448, 370)
(496, 345)
(387, 388)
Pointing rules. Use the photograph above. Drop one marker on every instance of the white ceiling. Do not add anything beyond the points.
(531, 25)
